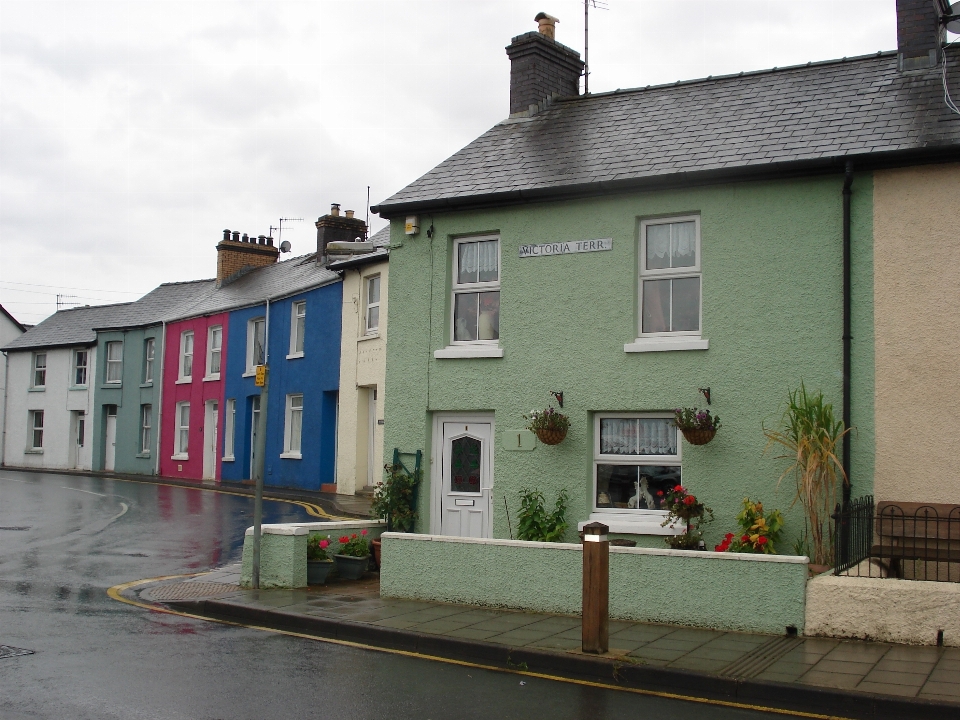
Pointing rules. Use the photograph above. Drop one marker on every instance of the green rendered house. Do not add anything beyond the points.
(630, 250)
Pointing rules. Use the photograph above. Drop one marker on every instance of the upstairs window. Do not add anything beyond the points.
(298, 324)
(39, 370)
(371, 324)
(114, 364)
(476, 291)
(186, 355)
(670, 277)
(293, 426)
(149, 351)
(80, 368)
(214, 350)
(256, 337)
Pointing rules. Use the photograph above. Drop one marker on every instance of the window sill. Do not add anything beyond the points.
(37, 389)
(250, 373)
(230, 458)
(468, 351)
(33, 451)
(211, 378)
(291, 456)
(111, 385)
(176, 456)
(184, 381)
(146, 385)
(663, 344)
(624, 524)
(294, 356)
(369, 336)
(144, 456)
(77, 387)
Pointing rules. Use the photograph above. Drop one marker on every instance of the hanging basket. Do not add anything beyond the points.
(698, 436)
(551, 437)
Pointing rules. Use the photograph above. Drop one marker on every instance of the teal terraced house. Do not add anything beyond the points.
(643, 250)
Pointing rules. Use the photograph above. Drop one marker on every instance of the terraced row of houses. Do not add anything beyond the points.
(167, 385)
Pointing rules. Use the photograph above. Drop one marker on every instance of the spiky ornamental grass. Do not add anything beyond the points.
(811, 434)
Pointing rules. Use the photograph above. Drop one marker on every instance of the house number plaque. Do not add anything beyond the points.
(566, 248)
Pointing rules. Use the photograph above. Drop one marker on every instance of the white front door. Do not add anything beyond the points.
(110, 444)
(79, 431)
(210, 439)
(466, 476)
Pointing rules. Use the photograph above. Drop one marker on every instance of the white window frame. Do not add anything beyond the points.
(669, 340)
(149, 355)
(181, 443)
(113, 367)
(470, 348)
(298, 311)
(185, 373)
(146, 428)
(38, 371)
(251, 342)
(368, 281)
(76, 367)
(292, 445)
(623, 520)
(34, 429)
(214, 332)
(229, 429)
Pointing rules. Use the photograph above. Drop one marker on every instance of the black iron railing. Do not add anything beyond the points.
(912, 541)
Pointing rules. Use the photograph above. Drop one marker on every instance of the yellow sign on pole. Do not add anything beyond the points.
(261, 375)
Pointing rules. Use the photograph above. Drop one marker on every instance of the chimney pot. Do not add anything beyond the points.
(226, 234)
(547, 25)
(269, 241)
(335, 209)
(236, 236)
(245, 238)
(349, 213)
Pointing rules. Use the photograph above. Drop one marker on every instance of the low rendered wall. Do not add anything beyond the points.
(283, 549)
(884, 609)
(729, 591)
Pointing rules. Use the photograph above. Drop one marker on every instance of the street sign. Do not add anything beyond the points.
(261, 375)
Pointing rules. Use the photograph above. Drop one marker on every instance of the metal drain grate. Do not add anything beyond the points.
(188, 591)
(7, 651)
(760, 659)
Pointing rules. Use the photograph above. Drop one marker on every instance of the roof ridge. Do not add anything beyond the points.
(742, 73)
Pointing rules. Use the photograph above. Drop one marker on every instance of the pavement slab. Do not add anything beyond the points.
(866, 680)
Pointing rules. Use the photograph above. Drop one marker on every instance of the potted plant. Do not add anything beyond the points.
(353, 556)
(548, 425)
(681, 505)
(394, 498)
(698, 426)
(758, 532)
(811, 435)
(319, 562)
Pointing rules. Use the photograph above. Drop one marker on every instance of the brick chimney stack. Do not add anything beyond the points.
(335, 227)
(919, 34)
(541, 68)
(236, 253)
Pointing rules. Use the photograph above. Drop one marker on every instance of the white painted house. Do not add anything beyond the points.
(51, 374)
(10, 330)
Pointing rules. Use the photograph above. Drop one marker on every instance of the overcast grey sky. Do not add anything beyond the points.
(133, 131)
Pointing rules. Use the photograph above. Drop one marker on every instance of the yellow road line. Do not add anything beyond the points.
(115, 591)
(311, 508)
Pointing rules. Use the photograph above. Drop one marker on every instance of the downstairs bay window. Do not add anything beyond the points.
(636, 461)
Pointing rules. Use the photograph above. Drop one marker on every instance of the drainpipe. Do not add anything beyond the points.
(847, 333)
(3, 440)
(163, 352)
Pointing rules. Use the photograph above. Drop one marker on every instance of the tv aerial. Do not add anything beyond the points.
(598, 5)
(284, 244)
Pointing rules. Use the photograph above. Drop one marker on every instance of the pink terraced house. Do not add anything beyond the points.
(194, 358)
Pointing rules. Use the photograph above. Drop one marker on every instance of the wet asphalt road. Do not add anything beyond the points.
(64, 540)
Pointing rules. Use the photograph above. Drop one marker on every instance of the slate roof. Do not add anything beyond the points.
(381, 239)
(73, 326)
(164, 303)
(810, 116)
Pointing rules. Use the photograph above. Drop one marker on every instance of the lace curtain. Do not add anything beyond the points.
(478, 262)
(638, 436)
(671, 245)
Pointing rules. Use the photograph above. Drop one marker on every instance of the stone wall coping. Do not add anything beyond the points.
(306, 528)
(734, 557)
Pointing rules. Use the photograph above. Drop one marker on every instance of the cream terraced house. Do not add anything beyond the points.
(363, 344)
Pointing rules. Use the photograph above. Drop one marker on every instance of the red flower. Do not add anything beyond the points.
(660, 493)
(689, 500)
(745, 538)
(728, 536)
(678, 488)
(344, 539)
(762, 540)
(363, 532)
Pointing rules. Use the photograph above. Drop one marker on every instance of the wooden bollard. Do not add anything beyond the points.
(596, 588)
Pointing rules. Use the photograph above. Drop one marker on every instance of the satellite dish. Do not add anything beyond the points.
(953, 24)
(285, 246)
